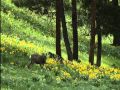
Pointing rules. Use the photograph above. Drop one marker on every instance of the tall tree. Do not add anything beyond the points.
(93, 26)
(99, 33)
(65, 34)
(116, 39)
(58, 29)
(99, 46)
(75, 33)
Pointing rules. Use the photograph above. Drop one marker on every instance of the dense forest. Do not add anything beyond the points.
(60, 44)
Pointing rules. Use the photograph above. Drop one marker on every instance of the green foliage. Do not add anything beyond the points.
(14, 77)
(37, 22)
(39, 6)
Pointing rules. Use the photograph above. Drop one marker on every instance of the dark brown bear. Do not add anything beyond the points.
(37, 59)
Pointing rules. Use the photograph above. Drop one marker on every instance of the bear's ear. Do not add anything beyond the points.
(48, 54)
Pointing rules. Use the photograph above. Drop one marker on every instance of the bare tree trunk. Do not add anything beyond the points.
(75, 33)
(116, 39)
(58, 29)
(99, 48)
(116, 36)
(65, 34)
(93, 26)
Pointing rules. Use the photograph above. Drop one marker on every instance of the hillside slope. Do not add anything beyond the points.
(24, 33)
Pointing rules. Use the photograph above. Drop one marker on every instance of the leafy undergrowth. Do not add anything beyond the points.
(37, 22)
(52, 75)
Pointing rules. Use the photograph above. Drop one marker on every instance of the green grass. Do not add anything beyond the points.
(16, 78)
(20, 25)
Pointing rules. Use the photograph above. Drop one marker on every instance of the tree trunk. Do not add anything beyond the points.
(65, 34)
(75, 33)
(58, 29)
(99, 48)
(92, 40)
(115, 2)
(116, 39)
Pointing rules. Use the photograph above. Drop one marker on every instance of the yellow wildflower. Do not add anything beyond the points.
(96, 71)
(66, 74)
(115, 77)
(51, 61)
(92, 76)
(116, 70)
(21, 43)
(107, 72)
(111, 69)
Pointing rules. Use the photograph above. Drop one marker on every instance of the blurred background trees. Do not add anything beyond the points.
(105, 14)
